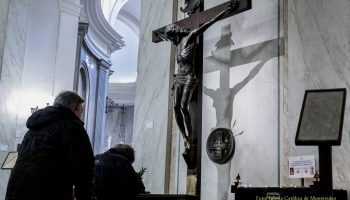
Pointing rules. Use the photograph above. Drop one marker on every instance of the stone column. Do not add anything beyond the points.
(100, 140)
(82, 31)
(66, 46)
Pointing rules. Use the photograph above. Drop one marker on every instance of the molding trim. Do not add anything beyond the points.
(110, 72)
(70, 7)
(83, 29)
(104, 65)
(94, 49)
(101, 39)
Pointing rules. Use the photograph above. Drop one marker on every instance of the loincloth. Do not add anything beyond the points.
(185, 80)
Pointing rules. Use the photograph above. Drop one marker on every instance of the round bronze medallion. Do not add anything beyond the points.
(220, 145)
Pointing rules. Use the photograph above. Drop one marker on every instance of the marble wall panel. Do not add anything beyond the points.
(318, 58)
(3, 23)
(40, 53)
(10, 81)
(317, 38)
(241, 86)
(152, 90)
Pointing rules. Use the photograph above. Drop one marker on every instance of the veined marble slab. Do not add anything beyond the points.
(241, 87)
(10, 81)
(318, 58)
(3, 24)
(152, 95)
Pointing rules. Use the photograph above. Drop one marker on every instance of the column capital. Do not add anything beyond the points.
(104, 65)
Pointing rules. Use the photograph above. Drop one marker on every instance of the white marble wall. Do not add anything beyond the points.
(39, 60)
(318, 58)
(241, 83)
(3, 22)
(31, 68)
(152, 90)
(262, 93)
(67, 34)
(49, 57)
(10, 81)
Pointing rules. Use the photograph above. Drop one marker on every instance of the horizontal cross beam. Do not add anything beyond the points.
(202, 17)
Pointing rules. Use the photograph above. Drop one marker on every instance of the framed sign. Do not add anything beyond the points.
(302, 166)
(321, 117)
(10, 160)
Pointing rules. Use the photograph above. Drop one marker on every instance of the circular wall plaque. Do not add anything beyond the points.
(220, 145)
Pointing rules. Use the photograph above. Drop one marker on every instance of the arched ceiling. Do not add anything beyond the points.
(101, 39)
(124, 18)
(127, 11)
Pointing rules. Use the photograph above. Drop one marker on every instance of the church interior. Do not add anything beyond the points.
(257, 69)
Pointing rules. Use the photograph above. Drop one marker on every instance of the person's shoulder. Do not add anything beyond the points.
(73, 119)
(110, 155)
(73, 128)
(73, 123)
(110, 160)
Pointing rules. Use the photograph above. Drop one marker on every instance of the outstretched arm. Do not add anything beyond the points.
(161, 35)
(232, 5)
(210, 92)
(250, 76)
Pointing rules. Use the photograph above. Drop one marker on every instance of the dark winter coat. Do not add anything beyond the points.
(115, 178)
(54, 156)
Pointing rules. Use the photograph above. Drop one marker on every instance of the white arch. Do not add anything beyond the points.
(84, 88)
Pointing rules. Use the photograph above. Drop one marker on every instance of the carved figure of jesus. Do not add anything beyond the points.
(185, 80)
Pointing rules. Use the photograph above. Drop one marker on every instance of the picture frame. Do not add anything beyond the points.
(10, 160)
(321, 117)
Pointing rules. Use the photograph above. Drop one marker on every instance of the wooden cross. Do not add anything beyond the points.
(201, 16)
(196, 19)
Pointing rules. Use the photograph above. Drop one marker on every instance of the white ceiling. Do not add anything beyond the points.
(124, 61)
(122, 93)
(127, 23)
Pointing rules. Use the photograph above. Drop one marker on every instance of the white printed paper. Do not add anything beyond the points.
(302, 166)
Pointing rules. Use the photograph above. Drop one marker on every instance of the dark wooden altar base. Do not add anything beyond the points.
(166, 197)
(242, 193)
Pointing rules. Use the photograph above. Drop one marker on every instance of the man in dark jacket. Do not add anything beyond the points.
(55, 160)
(115, 178)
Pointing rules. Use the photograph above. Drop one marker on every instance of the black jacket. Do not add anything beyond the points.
(54, 156)
(115, 178)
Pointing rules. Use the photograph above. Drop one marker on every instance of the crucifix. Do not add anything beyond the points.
(186, 35)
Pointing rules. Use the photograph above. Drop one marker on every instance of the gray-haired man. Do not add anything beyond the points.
(55, 155)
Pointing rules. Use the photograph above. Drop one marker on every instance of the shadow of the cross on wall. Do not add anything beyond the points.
(222, 59)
